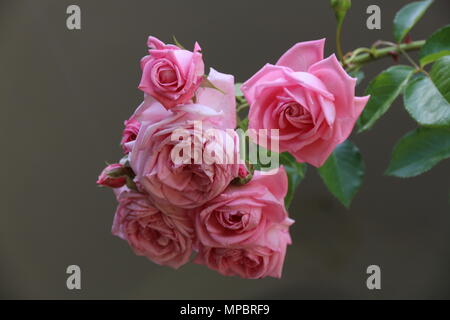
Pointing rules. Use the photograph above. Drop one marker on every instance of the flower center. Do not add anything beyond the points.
(167, 76)
(297, 115)
(234, 220)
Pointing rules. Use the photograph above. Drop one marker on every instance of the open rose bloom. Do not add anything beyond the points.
(311, 100)
(184, 190)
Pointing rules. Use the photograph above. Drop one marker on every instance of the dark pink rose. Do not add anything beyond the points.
(163, 237)
(310, 100)
(171, 74)
(263, 258)
(241, 214)
(195, 177)
(105, 178)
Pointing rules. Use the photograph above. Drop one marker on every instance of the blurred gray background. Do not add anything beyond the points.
(65, 94)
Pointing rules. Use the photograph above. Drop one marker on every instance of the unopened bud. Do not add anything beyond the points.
(340, 8)
(112, 176)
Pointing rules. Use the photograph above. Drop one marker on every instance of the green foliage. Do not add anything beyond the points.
(440, 74)
(343, 172)
(237, 90)
(243, 124)
(383, 90)
(418, 151)
(427, 99)
(296, 172)
(436, 46)
(408, 16)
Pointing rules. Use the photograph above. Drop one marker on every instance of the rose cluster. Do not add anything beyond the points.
(177, 198)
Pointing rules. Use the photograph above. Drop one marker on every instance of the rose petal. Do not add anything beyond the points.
(222, 101)
(302, 55)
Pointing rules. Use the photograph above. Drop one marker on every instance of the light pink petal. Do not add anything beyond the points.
(274, 180)
(302, 55)
(155, 43)
(183, 60)
(328, 109)
(311, 82)
(339, 83)
(150, 111)
(197, 47)
(316, 153)
(197, 111)
(267, 74)
(360, 103)
(344, 125)
(222, 102)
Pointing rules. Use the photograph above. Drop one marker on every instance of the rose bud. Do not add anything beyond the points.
(394, 55)
(112, 176)
(245, 174)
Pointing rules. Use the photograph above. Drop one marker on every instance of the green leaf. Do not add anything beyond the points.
(436, 46)
(427, 99)
(408, 16)
(243, 124)
(296, 172)
(237, 90)
(343, 172)
(383, 90)
(418, 151)
(358, 74)
(440, 74)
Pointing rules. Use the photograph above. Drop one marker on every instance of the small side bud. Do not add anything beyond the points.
(407, 39)
(245, 174)
(112, 176)
(340, 8)
(394, 55)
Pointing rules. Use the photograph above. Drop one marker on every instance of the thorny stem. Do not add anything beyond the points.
(354, 62)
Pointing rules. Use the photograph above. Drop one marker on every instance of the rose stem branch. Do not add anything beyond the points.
(376, 54)
(338, 40)
(242, 106)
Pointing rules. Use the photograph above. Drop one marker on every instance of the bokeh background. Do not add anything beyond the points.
(65, 94)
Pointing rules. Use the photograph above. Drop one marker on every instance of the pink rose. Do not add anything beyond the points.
(183, 178)
(310, 100)
(129, 134)
(196, 177)
(165, 239)
(264, 258)
(241, 214)
(111, 177)
(171, 74)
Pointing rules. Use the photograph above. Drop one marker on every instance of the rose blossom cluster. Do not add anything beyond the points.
(231, 218)
(171, 210)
